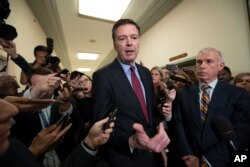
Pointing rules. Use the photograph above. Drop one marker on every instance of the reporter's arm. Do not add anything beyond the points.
(80, 157)
(84, 153)
(22, 63)
(10, 48)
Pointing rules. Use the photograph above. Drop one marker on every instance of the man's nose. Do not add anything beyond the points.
(129, 41)
(202, 64)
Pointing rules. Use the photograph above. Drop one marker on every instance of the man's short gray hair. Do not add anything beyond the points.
(208, 49)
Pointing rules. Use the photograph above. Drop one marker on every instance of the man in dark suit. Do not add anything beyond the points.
(194, 133)
(136, 138)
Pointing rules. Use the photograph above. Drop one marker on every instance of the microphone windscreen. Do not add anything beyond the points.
(176, 78)
(223, 128)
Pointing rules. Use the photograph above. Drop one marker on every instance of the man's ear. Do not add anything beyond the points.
(221, 66)
(114, 45)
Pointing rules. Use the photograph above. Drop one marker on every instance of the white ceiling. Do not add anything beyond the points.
(73, 33)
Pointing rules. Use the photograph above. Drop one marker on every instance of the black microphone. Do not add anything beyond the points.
(223, 128)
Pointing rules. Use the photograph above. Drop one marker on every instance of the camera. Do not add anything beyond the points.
(53, 61)
(7, 31)
(171, 68)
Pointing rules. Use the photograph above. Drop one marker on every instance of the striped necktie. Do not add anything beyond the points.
(205, 100)
(138, 91)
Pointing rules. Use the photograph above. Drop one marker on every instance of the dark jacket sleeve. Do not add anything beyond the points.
(18, 155)
(79, 157)
(23, 64)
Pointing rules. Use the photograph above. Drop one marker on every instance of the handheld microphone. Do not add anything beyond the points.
(204, 159)
(223, 128)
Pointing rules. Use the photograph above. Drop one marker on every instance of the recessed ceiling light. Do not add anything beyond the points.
(87, 56)
(104, 9)
(84, 69)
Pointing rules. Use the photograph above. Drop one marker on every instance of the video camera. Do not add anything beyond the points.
(7, 31)
(52, 60)
(171, 68)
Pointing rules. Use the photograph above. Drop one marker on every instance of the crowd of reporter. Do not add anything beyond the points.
(37, 138)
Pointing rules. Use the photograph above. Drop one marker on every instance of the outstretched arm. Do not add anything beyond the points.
(84, 154)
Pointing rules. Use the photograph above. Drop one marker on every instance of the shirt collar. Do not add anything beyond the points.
(126, 67)
(211, 84)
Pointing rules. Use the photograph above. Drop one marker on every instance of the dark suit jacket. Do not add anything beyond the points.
(111, 88)
(18, 155)
(195, 139)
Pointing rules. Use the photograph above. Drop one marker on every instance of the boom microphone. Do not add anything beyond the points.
(224, 130)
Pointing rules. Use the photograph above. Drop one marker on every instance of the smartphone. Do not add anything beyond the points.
(64, 71)
(111, 119)
(64, 119)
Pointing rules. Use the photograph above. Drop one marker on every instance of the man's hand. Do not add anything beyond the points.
(48, 139)
(170, 95)
(166, 106)
(7, 111)
(64, 95)
(160, 141)
(141, 140)
(46, 86)
(166, 110)
(97, 136)
(9, 47)
(191, 161)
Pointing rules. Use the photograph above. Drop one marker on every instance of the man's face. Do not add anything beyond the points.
(85, 83)
(208, 64)
(126, 43)
(40, 57)
(224, 76)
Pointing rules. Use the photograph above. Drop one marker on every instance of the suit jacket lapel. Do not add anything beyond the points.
(216, 101)
(196, 106)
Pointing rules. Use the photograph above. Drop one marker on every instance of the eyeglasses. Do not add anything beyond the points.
(83, 81)
(242, 80)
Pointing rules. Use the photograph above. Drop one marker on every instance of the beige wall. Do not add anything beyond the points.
(29, 32)
(195, 24)
(189, 27)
